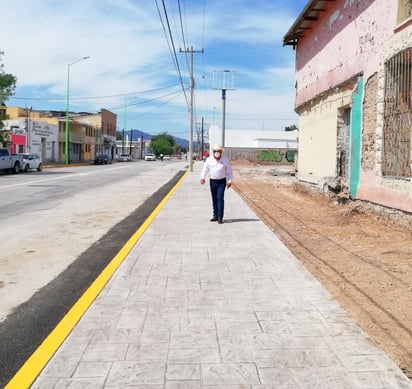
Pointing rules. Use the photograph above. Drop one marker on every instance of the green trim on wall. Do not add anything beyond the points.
(355, 139)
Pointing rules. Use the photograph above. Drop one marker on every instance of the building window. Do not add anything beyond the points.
(397, 129)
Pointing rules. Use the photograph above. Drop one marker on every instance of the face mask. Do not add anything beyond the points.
(217, 154)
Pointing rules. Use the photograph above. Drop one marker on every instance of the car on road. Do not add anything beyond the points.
(150, 157)
(124, 157)
(10, 162)
(166, 157)
(102, 159)
(31, 161)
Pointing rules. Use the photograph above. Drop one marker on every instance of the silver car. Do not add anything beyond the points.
(31, 161)
(150, 157)
(124, 157)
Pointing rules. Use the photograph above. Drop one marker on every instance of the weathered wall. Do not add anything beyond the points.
(395, 192)
(353, 37)
(318, 126)
(369, 124)
(345, 41)
(275, 156)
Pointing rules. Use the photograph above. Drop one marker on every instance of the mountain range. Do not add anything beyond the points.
(135, 135)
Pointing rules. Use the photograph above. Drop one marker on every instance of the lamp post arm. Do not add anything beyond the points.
(78, 60)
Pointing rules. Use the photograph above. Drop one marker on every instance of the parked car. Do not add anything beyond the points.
(166, 157)
(150, 157)
(31, 161)
(124, 157)
(102, 159)
(10, 162)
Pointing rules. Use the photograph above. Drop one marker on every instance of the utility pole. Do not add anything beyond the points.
(131, 142)
(202, 138)
(122, 141)
(28, 140)
(124, 128)
(202, 134)
(198, 142)
(192, 87)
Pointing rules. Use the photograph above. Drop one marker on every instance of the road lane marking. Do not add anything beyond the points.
(63, 176)
(42, 355)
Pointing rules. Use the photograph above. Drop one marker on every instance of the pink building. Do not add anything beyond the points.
(18, 143)
(353, 97)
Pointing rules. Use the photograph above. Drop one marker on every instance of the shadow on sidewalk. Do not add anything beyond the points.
(240, 220)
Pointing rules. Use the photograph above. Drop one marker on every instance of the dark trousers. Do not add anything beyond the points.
(217, 188)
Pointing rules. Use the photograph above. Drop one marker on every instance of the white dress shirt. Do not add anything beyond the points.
(216, 169)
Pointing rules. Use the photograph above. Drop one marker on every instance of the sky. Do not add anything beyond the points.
(139, 60)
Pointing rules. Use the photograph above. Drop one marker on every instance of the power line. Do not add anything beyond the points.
(147, 101)
(92, 97)
(151, 110)
(183, 34)
(173, 49)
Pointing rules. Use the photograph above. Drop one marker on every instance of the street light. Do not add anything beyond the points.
(66, 146)
(221, 81)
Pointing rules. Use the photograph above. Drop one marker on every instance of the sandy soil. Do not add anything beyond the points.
(361, 253)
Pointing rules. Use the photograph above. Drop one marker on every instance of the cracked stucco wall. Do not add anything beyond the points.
(346, 40)
(352, 37)
(368, 155)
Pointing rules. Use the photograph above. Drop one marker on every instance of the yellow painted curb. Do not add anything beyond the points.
(38, 360)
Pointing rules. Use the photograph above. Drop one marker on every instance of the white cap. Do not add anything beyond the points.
(217, 147)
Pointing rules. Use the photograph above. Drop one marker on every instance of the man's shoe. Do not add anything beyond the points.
(213, 219)
(220, 220)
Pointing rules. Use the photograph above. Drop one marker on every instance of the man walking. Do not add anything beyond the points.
(217, 168)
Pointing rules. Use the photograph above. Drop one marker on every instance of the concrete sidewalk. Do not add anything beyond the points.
(201, 305)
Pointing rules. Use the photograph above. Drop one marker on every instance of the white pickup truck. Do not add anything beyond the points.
(10, 162)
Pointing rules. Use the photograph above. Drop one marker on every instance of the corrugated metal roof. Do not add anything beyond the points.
(304, 22)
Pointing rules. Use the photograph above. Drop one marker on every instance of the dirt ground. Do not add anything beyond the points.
(361, 253)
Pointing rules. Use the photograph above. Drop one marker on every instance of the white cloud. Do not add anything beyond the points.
(129, 53)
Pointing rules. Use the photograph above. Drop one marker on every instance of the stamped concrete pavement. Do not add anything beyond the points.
(195, 304)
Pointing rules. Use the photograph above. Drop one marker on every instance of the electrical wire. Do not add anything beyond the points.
(204, 78)
(151, 110)
(173, 48)
(183, 35)
(92, 97)
(146, 101)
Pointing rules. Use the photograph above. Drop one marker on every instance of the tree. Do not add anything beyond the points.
(162, 144)
(7, 87)
(7, 83)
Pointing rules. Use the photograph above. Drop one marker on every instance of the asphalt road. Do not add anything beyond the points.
(59, 229)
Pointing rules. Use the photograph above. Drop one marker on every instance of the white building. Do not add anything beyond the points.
(254, 139)
(32, 136)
